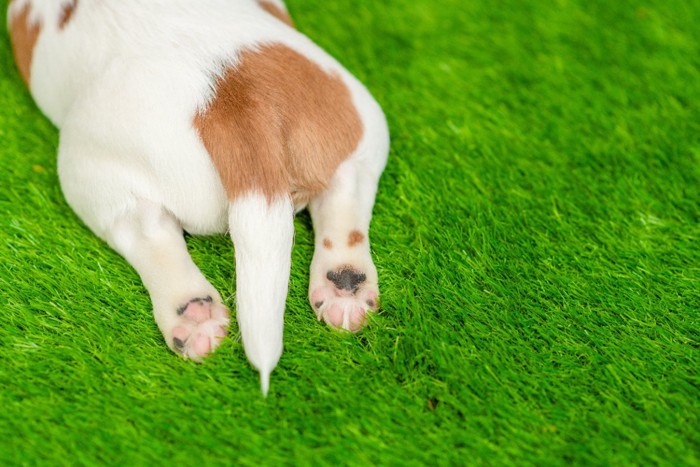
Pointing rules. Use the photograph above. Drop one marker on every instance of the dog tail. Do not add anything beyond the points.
(262, 232)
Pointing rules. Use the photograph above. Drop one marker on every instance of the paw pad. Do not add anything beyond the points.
(201, 325)
(346, 279)
(343, 310)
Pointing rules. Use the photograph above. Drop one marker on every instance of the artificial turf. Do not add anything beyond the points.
(537, 239)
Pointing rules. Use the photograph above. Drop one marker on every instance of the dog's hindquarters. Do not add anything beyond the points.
(241, 123)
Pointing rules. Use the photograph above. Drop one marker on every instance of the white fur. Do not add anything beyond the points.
(262, 235)
(123, 81)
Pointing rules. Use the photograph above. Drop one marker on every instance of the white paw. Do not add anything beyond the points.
(345, 299)
(200, 326)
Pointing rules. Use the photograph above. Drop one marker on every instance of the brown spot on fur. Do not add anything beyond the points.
(23, 36)
(355, 237)
(277, 12)
(278, 125)
(67, 13)
(327, 244)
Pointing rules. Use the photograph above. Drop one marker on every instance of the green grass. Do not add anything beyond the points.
(537, 235)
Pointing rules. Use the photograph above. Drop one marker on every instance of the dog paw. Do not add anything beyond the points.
(345, 299)
(200, 326)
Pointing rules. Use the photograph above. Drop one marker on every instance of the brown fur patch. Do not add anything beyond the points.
(355, 237)
(23, 37)
(327, 244)
(277, 12)
(278, 124)
(67, 13)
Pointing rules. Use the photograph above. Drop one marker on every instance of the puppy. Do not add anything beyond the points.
(210, 116)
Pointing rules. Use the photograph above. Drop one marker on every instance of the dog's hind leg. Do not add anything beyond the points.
(121, 206)
(343, 284)
(132, 168)
(262, 232)
(187, 308)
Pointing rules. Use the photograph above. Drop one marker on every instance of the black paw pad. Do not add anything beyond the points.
(179, 344)
(200, 300)
(346, 279)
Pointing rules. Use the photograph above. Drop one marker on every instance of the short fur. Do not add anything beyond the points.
(209, 116)
(267, 133)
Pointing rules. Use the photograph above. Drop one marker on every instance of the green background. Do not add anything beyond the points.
(537, 240)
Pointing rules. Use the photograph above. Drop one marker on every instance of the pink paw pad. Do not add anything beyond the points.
(341, 310)
(202, 325)
(345, 315)
(197, 309)
(201, 345)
